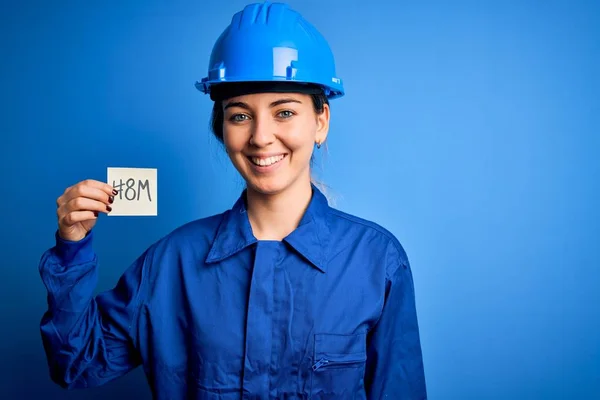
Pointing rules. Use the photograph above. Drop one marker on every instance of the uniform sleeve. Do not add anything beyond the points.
(394, 357)
(87, 339)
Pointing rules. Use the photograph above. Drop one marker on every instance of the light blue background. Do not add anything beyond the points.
(470, 130)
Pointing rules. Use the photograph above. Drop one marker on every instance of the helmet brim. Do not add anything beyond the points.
(227, 90)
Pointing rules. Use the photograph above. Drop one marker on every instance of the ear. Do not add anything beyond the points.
(323, 124)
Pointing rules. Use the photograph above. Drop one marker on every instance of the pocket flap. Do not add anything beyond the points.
(340, 348)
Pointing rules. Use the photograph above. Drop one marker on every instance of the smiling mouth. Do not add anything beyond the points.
(266, 161)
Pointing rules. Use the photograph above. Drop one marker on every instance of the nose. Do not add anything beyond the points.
(263, 132)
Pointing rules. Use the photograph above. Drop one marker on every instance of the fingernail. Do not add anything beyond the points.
(111, 199)
(108, 208)
(115, 192)
(95, 213)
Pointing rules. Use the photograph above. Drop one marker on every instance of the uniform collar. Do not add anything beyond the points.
(310, 239)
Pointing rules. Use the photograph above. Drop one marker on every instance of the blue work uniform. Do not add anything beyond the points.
(210, 312)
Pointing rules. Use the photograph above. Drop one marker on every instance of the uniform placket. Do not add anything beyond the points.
(259, 325)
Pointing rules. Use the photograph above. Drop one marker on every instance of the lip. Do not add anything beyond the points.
(266, 155)
(266, 169)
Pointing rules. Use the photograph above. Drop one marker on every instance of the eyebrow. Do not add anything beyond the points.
(273, 104)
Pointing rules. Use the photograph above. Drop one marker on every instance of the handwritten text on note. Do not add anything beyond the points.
(137, 189)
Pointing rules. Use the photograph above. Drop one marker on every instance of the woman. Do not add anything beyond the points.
(280, 297)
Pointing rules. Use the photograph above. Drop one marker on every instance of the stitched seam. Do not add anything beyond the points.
(364, 223)
(229, 254)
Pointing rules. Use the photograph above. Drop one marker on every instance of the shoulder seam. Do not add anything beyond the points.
(402, 258)
(363, 222)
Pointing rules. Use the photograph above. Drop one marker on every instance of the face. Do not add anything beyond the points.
(270, 138)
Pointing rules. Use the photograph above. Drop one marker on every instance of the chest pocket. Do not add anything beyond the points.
(338, 366)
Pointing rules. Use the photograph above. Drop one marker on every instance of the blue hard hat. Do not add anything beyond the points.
(270, 42)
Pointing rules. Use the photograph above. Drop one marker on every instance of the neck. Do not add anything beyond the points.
(273, 217)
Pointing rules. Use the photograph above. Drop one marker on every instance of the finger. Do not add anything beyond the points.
(88, 192)
(78, 216)
(84, 204)
(89, 188)
(105, 187)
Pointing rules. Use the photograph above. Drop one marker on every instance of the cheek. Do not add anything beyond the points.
(234, 141)
(301, 137)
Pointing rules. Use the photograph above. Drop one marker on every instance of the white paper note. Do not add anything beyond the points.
(137, 189)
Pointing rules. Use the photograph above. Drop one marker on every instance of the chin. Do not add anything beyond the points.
(267, 186)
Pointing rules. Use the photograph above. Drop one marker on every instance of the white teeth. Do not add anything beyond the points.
(265, 162)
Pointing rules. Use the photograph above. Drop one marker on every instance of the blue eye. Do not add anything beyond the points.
(286, 114)
(238, 117)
